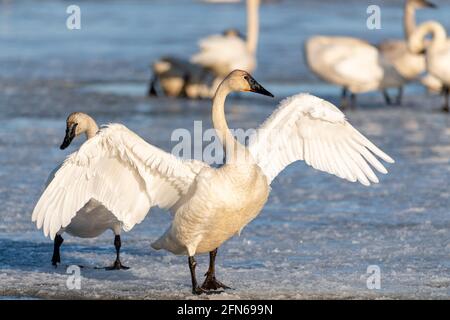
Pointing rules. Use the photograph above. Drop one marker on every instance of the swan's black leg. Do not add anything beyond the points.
(446, 92)
(352, 101)
(186, 80)
(399, 99)
(117, 264)
(344, 98)
(152, 86)
(387, 98)
(195, 288)
(211, 283)
(56, 258)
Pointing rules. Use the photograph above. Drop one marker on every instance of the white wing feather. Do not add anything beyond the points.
(121, 171)
(305, 127)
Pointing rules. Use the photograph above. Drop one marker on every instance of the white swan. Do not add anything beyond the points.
(348, 62)
(210, 205)
(219, 54)
(55, 211)
(220, 202)
(227, 52)
(396, 53)
(437, 53)
(360, 67)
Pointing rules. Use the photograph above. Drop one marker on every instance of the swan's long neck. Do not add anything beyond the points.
(233, 149)
(252, 25)
(438, 35)
(409, 19)
(91, 127)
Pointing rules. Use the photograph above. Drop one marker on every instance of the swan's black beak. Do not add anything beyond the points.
(256, 87)
(428, 4)
(70, 134)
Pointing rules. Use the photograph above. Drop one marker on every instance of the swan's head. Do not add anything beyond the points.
(421, 4)
(239, 80)
(232, 32)
(76, 124)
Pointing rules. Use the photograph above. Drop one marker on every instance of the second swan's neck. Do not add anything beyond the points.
(234, 151)
(91, 128)
(438, 35)
(409, 20)
(252, 25)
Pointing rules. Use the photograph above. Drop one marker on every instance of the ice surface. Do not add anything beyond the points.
(317, 234)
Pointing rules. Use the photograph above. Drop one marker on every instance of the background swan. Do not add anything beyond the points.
(437, 53)
(219, 55)
(55, 211)
(227, 52)
(348, 62)
(360, 67)
(181, 78)
(396, 53)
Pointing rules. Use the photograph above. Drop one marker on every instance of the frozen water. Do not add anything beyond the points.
(317, 234)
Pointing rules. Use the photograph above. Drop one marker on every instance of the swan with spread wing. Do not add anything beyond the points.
(209, 204)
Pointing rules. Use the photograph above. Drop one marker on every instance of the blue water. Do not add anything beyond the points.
(317, 234)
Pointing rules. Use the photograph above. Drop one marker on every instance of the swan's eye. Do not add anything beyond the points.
(246, 78)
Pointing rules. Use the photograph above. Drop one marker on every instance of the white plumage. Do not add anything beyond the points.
(308, 128)
(347, 62)
(224, 53)
(437, 53)
(227, 52)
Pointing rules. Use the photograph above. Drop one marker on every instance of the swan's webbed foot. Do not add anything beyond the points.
(117, 265)
(211, 283)
(198, 291)
(56, 258)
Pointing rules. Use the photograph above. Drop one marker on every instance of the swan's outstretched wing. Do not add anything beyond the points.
(120, 170)
(305, 127)
(220, 51)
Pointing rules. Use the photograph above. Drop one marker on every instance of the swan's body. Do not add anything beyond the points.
(345, 61)
(210, 205)
(227, 52)
(225, 200)
(181, 78)
(359, 67)
(437, 53)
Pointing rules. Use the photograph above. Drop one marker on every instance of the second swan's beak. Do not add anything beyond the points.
(257, 88)
(428, 4)
(70, 134)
